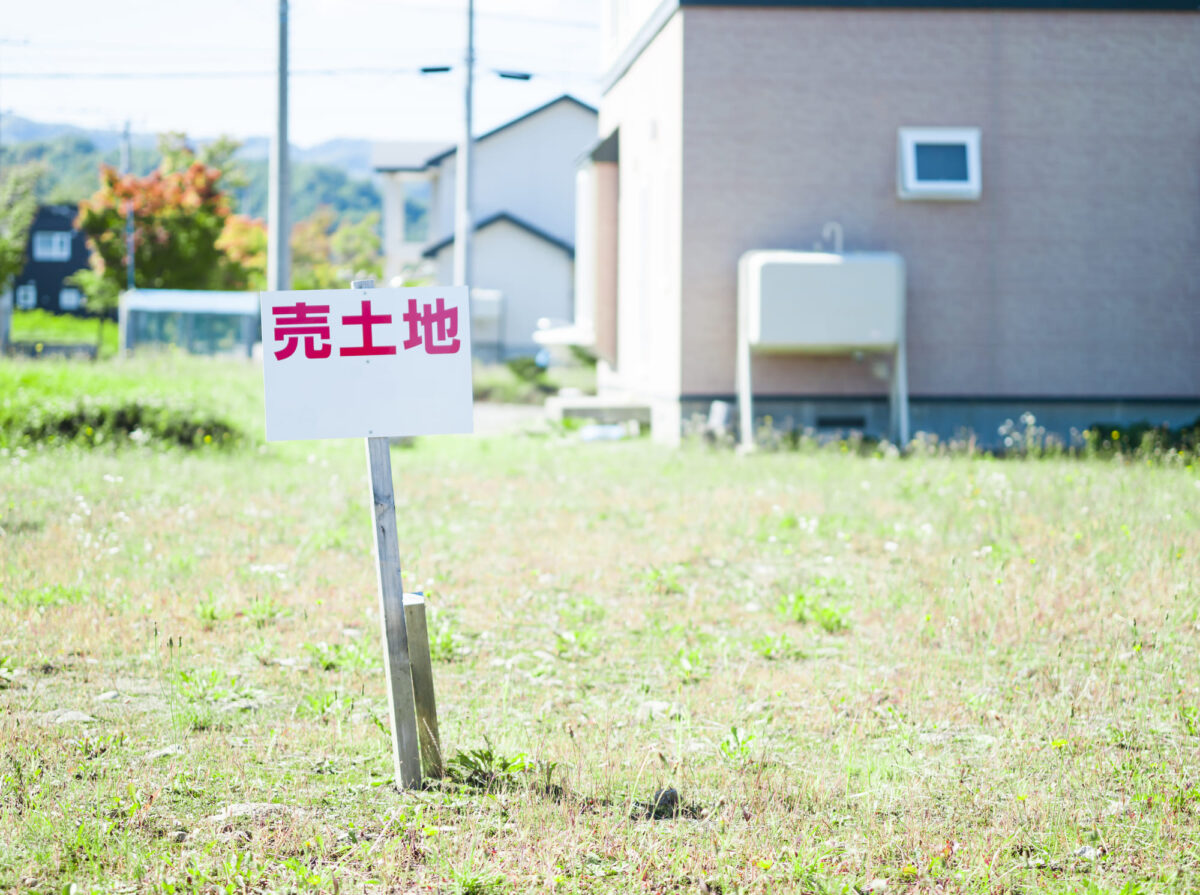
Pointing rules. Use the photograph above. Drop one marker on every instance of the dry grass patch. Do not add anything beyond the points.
(856, 674)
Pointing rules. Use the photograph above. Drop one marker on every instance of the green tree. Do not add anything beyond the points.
(18, 205)
(325, 257)
(244, 242)
(178, 155)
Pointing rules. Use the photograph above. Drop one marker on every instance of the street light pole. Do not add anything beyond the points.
(279, 262)
(462, 196)
(126, 168)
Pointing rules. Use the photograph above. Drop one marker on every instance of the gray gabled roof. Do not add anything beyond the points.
(415, 156)
(566, 97)
(432, 250)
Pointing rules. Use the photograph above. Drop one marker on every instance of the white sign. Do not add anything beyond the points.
(353, 363)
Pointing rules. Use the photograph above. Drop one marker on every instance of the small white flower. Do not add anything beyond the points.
(891, 546)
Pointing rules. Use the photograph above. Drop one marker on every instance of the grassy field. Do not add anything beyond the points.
(926, 674)
(43, 326)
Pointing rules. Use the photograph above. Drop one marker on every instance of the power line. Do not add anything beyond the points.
(505, 16)
(256, 73)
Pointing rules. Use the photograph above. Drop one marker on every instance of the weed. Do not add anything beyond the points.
(209, 611)
(1189, 715)
(575, 643)
(801, 607)
(351, 656)
(777, 647)
(486, 769)
(319, 705)
(45, 597)
(832, 619)
(265, 611)
(736, 746)
(90, 746)
(472, 881)
(664, 580)
(688, 665)
(206, 699)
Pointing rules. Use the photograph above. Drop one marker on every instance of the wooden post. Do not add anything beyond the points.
(396, 661)
(422, 680)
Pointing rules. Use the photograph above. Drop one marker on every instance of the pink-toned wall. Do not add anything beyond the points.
(1076, 274)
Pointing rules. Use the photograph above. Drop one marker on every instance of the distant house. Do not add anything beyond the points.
(1036, 163)
(56, 251)
(523, 207)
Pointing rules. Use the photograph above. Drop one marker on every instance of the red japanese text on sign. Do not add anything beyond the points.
(434, 325)
(310, 321)
(367, 321)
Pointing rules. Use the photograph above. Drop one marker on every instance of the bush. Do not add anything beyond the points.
(92, 422)
(1142, 438)
(166, 401)
(528, 370)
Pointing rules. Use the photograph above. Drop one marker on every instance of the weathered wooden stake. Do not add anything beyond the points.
(397, 662)
(422, 680)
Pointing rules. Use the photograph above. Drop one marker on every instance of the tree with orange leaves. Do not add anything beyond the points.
(180, 214)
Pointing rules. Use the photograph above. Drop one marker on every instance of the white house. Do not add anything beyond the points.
(523, 206)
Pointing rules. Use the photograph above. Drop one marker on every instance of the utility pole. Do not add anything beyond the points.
(127, 167)
(279, 261)
(462, 195)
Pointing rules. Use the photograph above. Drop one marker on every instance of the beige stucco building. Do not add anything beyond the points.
(1070, 287)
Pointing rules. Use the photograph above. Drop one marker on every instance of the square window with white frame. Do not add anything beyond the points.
(939, 163)
(52, 245)
(69, 299)
(25, 296)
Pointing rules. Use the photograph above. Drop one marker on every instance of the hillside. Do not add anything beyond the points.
(335, 173)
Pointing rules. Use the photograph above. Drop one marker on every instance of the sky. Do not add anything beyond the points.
(208, 68)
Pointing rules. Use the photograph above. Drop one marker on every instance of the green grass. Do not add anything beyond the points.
(43, 326)
(499, 383)
(949, 674)
(162, 400)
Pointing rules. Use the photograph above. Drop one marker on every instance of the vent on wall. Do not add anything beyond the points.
(845, 423)
(938, 163)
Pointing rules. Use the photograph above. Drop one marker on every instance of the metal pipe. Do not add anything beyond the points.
(834, 229)
(463, 176)
(279, 260)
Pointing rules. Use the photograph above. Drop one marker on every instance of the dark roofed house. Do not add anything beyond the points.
(56, 251)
